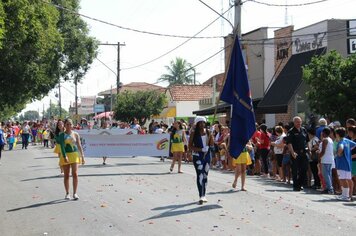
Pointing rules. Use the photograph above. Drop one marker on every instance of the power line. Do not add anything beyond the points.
(106, 66)
(286, 5)
(221, 15)
(335, 37)
(207, 58)
(127, 28)
(164, 54)
(261, 41)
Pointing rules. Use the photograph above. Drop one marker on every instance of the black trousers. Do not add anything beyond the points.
(264, 157)
(299, 170)
(1, 147)
(314, 170)
(25, 140)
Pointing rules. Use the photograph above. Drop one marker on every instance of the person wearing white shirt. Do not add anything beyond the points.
(326, 155)
(278, 147)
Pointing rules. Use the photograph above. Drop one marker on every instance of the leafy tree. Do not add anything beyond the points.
(332, 82)
(2, 23)
(31, 115)
(179, 72)
(141, 105)
(53, 110)
(79, 50)
(40, 44)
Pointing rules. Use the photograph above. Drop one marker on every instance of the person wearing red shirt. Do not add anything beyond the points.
(257, 136)
(264, 146)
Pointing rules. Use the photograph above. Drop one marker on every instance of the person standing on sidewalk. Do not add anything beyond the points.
(70, 147)
(326, 155)
(199, 142)
(344, 163)
(297, 139)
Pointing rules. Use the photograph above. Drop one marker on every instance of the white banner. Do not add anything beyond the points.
(96, 145)
(107, 131)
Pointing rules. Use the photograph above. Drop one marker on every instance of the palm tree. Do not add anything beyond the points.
(179, 72)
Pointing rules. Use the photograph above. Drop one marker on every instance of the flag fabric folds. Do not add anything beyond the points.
(236, 91)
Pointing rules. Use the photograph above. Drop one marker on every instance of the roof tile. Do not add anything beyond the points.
(190, 92)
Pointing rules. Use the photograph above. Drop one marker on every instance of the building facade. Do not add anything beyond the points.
(285, 97)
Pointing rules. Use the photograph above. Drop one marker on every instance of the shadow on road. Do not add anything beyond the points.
(224, 192)
(327, 200)
(176, 206)
(39, 205)
(174, 212)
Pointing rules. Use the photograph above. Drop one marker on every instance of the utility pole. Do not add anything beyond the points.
(118, 62)
(237, 22)
(76, 99)
(110, 98)
(60, 99)
(118, 70)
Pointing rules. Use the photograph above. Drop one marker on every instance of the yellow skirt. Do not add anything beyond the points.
(177, 147)
(73, 157)
(244, 158)
(57, 148)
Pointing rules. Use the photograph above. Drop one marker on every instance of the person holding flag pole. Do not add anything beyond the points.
(236, 91)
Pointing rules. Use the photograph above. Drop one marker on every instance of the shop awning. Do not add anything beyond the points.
(283, 89)
(222, 108)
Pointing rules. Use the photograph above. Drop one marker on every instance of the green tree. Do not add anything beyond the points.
(40, 44)
(141, 105)
(31, 115)
(2, 23)
(179, 72)
(79, 49)
(332, 84)
(53, 110)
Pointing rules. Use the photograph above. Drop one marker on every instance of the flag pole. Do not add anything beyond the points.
(236, 33)
(227, 65)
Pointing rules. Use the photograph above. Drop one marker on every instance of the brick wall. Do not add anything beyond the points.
(286, 117)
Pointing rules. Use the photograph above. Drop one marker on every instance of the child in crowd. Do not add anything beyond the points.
(46, 137)
(286, 162)
(343, 163)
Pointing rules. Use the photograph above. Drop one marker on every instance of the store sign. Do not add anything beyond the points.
(282, 50)
(304, 44)
(99, 108)
(310, 38)
(351, 46)
(352, 27)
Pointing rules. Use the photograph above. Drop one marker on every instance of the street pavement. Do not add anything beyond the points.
(138, 196)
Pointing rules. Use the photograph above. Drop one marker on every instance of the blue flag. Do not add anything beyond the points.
(237, 92)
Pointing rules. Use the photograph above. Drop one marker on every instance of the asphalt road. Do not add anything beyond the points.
(138, 196)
